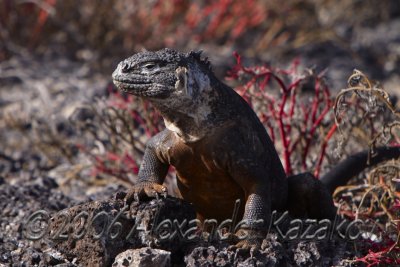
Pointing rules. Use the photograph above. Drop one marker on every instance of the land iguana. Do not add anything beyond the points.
(219, 148)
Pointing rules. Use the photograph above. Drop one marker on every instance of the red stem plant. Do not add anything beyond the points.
(300, 127)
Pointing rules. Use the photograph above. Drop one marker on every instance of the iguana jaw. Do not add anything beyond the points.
(140, 85)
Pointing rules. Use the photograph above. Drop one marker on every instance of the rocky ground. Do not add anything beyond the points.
(65, 240)
(39, 96)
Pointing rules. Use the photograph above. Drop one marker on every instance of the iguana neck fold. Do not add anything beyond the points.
(192, 112)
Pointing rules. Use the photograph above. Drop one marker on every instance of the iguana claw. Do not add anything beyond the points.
(144, 190)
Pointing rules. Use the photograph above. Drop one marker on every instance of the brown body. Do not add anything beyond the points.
(206, 170)
(198, 173)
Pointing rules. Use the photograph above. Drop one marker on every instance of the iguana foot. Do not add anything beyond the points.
(249, 239)
(143, 190)
(249, 244)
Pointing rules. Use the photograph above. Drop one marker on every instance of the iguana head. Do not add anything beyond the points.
(180, 85)
(162, 74)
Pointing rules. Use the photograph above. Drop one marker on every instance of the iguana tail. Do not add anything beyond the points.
(355, 164)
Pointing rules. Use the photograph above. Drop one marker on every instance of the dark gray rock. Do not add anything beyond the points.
(96, 232)
(17, 203)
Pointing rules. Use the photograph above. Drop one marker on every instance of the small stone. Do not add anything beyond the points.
(35, 258)
(143, 257)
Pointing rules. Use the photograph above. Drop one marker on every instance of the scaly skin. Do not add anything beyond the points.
(218, 146)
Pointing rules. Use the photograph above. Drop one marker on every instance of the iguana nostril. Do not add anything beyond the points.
(125, 66)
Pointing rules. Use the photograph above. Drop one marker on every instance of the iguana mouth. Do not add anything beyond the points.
(142, 89)
(133, 84)
(136, 89)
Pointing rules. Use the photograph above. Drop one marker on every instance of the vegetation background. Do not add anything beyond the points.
(62, 119)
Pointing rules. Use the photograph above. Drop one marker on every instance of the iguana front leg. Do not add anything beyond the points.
(152, 172)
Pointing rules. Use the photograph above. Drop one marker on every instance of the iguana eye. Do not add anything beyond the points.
(149, 66)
